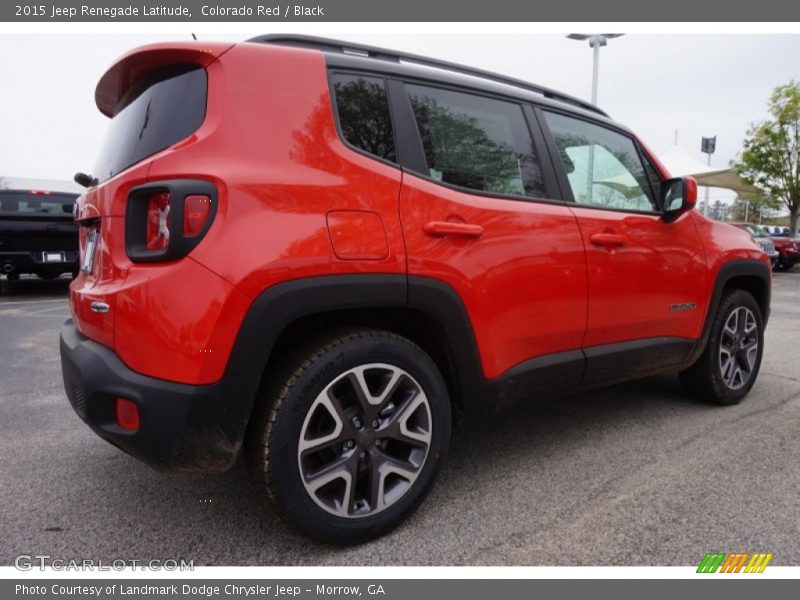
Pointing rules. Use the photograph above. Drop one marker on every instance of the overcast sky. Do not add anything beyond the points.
(656, 83)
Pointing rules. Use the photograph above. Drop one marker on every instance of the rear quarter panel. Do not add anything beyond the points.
(271, 146)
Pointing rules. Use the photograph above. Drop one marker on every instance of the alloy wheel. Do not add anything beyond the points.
(738, 347)
(364, 440)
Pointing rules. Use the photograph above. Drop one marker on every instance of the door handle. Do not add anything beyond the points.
(99, 307)
(610, 240)
(445, 228)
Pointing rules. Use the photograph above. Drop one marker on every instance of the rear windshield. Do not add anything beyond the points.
(154, 114)
(35, 204)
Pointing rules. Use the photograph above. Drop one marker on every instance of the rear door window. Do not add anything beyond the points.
(476, 142)
(155, 113)
(364, 116)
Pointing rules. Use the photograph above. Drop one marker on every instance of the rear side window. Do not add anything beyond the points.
(154, 114)
(37, 204)
(364, 116)
(476, 142)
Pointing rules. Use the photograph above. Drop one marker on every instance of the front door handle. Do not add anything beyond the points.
(610, 240)
(445, 228)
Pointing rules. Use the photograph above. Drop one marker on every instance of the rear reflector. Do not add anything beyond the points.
(157, 237)
(127, 414)
(196, 209)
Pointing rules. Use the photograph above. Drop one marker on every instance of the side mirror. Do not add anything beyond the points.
(679, 196)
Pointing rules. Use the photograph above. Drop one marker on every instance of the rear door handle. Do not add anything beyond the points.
(445, 228)
(610, 240)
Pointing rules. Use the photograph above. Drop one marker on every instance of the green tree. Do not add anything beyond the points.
(720, 211)
(753, 208)
(770, 158)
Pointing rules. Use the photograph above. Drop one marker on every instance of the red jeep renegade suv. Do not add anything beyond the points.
(315, 253)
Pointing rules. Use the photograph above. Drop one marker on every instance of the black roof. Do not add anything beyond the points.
(358, 56)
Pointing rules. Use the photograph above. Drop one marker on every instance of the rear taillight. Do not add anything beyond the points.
(165, 220)
(157, 237)
(196, 210)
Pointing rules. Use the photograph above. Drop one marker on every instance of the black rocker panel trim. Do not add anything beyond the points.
(622, 361)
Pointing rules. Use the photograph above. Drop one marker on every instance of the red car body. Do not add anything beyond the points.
(307, 231)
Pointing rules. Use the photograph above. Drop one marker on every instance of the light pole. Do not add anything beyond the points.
(708, 145)
(596, 41)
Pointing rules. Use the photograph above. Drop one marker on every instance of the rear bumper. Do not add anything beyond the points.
(32, 262)
(183, 428)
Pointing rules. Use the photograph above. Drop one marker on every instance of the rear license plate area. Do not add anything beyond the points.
(53, 257)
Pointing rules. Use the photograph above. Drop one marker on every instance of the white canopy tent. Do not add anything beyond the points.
(682, 164)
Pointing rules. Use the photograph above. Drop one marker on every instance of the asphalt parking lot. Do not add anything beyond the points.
(634, 474)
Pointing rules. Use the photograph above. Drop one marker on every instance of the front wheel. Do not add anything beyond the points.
(350, 434)
(729, 365)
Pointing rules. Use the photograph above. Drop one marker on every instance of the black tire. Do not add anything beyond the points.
(705, 379)
(285, 412)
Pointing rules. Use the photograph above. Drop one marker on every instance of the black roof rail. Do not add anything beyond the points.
(342, 47)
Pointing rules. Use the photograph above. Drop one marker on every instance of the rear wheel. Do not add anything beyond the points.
(351, 433)
(729, 365)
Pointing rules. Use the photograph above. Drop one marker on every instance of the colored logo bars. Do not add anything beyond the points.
(734, 562)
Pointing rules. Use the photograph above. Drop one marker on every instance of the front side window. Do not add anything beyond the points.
(364, 116)
(603, 167)
(475, 142)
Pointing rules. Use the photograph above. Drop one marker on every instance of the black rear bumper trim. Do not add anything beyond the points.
(183, 428)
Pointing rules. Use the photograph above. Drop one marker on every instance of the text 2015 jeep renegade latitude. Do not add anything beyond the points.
(318, 252)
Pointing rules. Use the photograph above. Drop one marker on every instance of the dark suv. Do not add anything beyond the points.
(319, 252)
(38, 234)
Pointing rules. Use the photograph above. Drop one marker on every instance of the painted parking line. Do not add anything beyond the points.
(62, 317)
(16, 302)
(44, 311)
